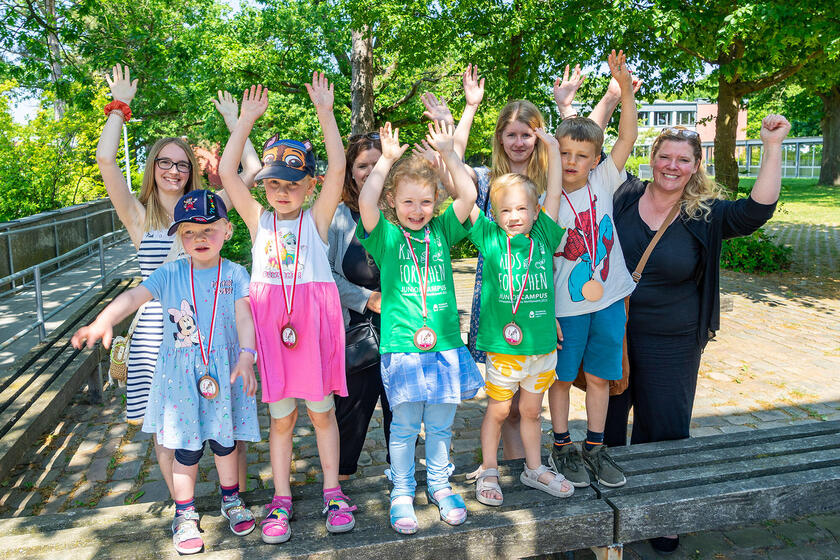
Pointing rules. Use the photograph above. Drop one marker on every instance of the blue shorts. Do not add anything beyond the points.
(594, 339)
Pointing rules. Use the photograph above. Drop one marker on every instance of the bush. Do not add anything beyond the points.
(238, 247)
(755, 253)
(464, 249)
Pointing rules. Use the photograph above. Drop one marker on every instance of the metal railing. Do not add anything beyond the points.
(107, 240)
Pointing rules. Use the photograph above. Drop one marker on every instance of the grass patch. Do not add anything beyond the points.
(803, 201)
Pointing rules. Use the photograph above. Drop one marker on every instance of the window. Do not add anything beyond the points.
(644, 118)
(685, 118)
(662, 118)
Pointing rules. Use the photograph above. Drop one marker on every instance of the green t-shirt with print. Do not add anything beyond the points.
(402, 304)
(535, 315)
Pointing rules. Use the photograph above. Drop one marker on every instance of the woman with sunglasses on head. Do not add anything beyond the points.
(675, 310)
(171, 171)
(357, 278)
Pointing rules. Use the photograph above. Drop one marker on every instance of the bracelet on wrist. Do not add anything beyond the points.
(571, 115)
(249, 351)
(120, 106)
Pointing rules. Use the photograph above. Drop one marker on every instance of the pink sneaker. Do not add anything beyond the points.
(339, 511)
(275, 525)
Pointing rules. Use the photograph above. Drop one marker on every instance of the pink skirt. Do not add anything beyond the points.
(312, 369)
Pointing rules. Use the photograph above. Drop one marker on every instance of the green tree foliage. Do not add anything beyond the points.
(801, 106)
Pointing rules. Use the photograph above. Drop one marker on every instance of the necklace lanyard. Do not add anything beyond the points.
(205, 358)
(515, 306)
(424, 283)
(590, 247)
(288, 302)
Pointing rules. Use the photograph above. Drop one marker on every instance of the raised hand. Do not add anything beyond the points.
(390, 139)
(425, 151)
(549, 140)
(254, 103)
(564, 91)
(619, 70)
(436, 109)
(321, 92)
(473, 86)
(227, 106)
(441, 137)
(122, 88)
(774, 129)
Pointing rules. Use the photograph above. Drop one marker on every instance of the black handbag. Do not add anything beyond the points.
(361, 346)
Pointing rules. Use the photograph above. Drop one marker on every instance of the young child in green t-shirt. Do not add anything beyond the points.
(426, 369)
(517, 328)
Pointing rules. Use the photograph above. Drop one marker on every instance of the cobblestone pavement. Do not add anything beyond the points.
(774, 363)
(816, 246)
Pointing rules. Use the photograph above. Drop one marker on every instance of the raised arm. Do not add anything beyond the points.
(102, 327)
(372, 189)
(227, 107)
(442, 138)
(774, 129)
(473, 94)
(628, 123)
(323, 210)
(603, 111)
(554, 192)
(424, 150)
(254, 104)
(129, 209)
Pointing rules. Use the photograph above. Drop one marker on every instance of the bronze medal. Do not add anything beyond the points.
(512, 334)
(289, 336)
(425, 338)
(207, 387)
(592, 290)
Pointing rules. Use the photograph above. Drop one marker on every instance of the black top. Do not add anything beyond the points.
(727, 219)
(667, 298)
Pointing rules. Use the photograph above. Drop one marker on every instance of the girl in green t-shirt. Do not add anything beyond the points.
(426, 369)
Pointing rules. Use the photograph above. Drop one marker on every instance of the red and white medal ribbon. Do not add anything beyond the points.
(515, 306)
(424, 283)
(207, 390)
(287, 301)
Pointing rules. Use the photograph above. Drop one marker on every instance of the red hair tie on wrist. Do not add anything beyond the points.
(120, 106)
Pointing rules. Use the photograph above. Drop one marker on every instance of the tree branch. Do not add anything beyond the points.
(408, 96)
(776, 77)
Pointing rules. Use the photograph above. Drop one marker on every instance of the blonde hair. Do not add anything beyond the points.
(700, 190)
(156, 216)
(526, 113)
(414, 168)
(582, 129)
(510, 181)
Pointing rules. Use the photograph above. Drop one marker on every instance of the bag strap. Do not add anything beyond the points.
(637, 274)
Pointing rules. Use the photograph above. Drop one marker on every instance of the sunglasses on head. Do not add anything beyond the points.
(368, 136)
(680, 132)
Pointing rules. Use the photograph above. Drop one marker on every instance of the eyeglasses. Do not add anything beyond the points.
(166, 163)
(680, 132)
(368, 136)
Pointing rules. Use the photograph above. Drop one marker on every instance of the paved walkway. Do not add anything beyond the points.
(774, 363)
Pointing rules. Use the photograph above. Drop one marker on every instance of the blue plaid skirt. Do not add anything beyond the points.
(446, 377)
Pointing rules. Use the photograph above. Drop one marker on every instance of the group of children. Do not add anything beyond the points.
(536, 298)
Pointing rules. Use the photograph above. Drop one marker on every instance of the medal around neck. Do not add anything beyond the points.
(513, 334)
(425, 338)
(207, 387)
(592, 290)
(289, 336)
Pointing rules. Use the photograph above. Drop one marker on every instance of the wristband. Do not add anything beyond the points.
(120, 106)
(569, 116)
(249, 351)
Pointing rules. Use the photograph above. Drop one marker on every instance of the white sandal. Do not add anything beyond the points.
(555, 487)
(479, 476)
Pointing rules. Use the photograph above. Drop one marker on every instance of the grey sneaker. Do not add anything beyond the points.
(605, 469)
(567, 461)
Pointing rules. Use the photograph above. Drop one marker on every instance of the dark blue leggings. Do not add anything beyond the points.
(189, 458)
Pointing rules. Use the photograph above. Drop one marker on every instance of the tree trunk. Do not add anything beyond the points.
(56, 70)
(830, 123)
(361, 81)
(726, 129)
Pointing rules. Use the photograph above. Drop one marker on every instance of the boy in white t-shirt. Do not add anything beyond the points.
(590, 282)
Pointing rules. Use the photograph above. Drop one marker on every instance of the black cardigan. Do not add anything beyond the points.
(727, 219)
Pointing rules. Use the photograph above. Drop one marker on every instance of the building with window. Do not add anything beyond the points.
(699, 115)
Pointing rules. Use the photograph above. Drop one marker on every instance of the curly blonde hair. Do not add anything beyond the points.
(700, 190)
(414, 168)
(526, 113)
(156, 216)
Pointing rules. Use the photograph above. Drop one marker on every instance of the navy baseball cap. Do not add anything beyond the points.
(198, 207)
(288, 160)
